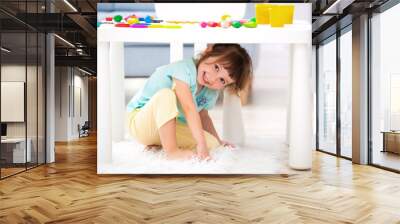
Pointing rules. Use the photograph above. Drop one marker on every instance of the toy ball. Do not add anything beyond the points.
(250, 25)
(141, 19)
(236, 24)
(253, 19)
(203, 24)
(132, 20)
(98, 24)
(225, 24)
(148, 19)
(243, 21)
(118, 18)
(225, 17)
(109, 18)
(212, 24)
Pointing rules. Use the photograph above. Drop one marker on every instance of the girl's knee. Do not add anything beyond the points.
(165, 107)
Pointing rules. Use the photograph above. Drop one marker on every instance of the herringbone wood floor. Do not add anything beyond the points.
(70, 191)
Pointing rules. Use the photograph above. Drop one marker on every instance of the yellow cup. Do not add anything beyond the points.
(262, 13)
(280, 15)
(287, 13)
(276, 16)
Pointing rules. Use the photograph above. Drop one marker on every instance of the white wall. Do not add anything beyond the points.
(14, 73)
(61, 103)
(17, 73)
(67, 114)
(33, 126)
(79, 117)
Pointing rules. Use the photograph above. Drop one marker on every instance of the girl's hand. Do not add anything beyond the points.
(227, 144)
(203, 155)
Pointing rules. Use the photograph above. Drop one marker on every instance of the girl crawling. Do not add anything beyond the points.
(171, 110)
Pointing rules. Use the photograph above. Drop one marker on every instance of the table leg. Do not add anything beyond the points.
(289, 99)
(233, 127)
(104, 153)
(117, 75)
(300, 146)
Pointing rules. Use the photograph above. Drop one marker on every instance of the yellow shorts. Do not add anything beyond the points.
(145, 122)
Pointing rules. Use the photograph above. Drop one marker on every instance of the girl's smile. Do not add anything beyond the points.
(213, 75)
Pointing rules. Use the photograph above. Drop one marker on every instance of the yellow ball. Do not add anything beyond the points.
(132, 20)
(225, 17)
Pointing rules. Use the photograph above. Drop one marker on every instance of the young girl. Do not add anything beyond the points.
(171, 110)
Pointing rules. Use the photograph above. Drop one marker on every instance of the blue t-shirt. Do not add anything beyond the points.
(184, 70)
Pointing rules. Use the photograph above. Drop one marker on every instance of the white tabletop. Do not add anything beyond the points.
(13, 140)
(193, 33)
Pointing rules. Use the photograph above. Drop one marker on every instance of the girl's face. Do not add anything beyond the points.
(213, 75)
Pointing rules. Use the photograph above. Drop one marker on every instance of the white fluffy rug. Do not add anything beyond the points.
(258, 156)
(265, 151)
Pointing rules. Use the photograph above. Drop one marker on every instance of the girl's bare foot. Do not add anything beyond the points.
(180, 154)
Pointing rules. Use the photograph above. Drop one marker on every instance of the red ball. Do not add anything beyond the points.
(203, 24)
(212, 24)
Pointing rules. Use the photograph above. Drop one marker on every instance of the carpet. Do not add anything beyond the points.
(258, 156)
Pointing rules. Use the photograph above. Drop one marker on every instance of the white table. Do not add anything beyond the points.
(110, 77)
(19, 155)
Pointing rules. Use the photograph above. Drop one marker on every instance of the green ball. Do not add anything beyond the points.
(253, 20)
(98, 24)
(118, 18)
(250, 25)
(236, 24)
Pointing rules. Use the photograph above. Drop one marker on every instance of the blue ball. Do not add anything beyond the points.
(148, 19)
